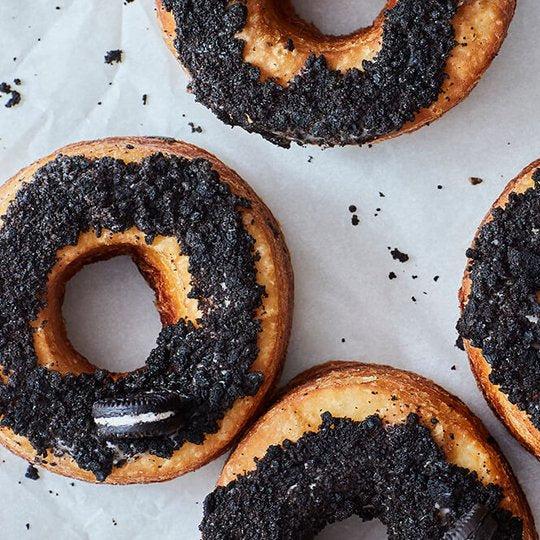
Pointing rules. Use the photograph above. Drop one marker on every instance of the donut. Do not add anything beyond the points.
(258, 65)
(355, 439)
(498, 298)
(219, 266)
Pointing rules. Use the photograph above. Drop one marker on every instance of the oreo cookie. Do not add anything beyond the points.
(148, 414)
(476, 524)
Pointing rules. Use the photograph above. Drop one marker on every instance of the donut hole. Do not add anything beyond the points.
(164, 268)
(110, 315)
(279, 35)
(354, 529)
(340, 17)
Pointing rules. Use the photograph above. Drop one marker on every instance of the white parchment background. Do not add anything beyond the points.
(342, 285)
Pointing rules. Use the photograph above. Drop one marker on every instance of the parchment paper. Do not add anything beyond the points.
(346, 307)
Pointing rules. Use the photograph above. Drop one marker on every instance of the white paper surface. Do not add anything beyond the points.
(341, 271)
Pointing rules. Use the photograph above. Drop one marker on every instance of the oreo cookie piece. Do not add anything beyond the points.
(149, 414)
(476, 524)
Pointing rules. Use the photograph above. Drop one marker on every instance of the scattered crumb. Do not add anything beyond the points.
(453, 368)
(31, 472)
(113, 56)
(439, 186)
(27, 526)
(474, 180)
(352, 209)
(342, 340)
(398, 255)
(381, 194)
(414, 276)
(413, 298)
(195, 128)
(310, 159)
(354, 220)
(15, 98)
(144, 99)
(392, 275)
(435, 278)
(17, 81)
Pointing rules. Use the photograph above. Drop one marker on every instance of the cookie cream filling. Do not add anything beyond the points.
(133, 419)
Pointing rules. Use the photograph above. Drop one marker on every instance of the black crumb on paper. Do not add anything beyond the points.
(195, 128)
(381, 194)
(310, 159)
(453, 368)
(352, 209)
(439, 186)
(27, 526)
(474, 180)
(435, 278)
(413, 298)
(398, 255)
(392, 275)
(15, 97)
(32, 473)
(114, 56)
(342, 340)
(355, 220)
(144, 99)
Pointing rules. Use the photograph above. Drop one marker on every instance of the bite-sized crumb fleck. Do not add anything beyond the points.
(113, 56)
(392, 275)
(144, 99)
(195, 128)
(352, 208)
(15, 98)
(398, 255)
(439, 186)
(474, 180)
(436, 278)
(453, 368)
(31, 472)
(27, 526)
(355, 220)
(413, 298)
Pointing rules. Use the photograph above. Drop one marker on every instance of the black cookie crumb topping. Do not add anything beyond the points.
(319, 105)
(502, 313)
(396, 474)
(208, 364)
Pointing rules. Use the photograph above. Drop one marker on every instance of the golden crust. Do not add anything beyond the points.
(345, 389)
(273, 271)
(480, 24)
(516, 420)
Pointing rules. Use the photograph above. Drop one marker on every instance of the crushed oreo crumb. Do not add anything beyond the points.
(502, 313)
(15, 97)
(398, 255)
(195, 128)
(208, 363)
(355, 220)
(392, 275)
(319, 105)
(31, 472)
(396, 474)
(114, 56)
(474, 180)
(144, 99)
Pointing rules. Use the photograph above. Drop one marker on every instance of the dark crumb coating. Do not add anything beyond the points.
(502, 313)
(208, 364)
(396, 474)
(319, 105)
